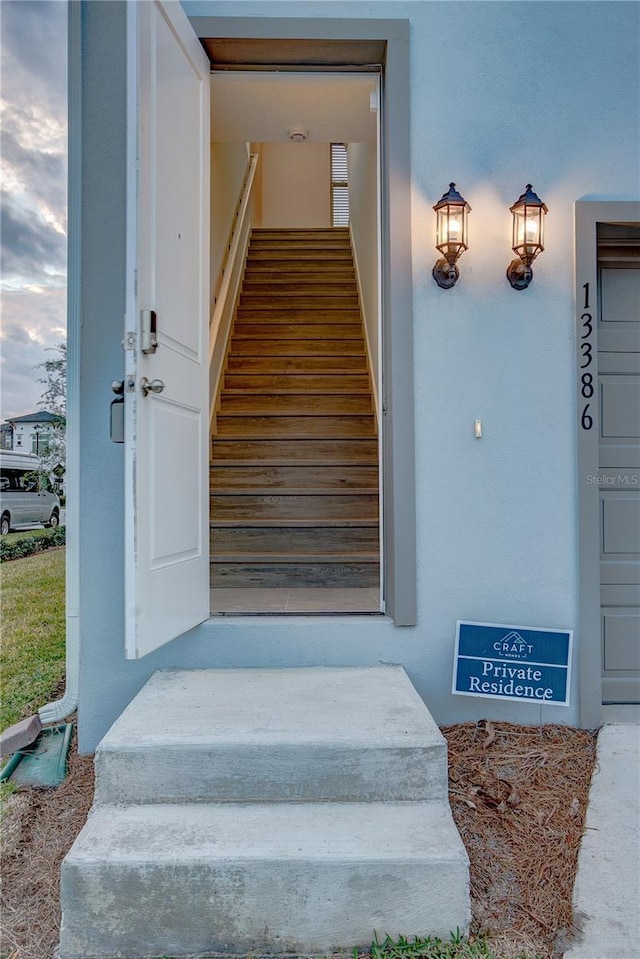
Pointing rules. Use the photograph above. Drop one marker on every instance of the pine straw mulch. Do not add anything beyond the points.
(518, 794)
(519, 798)
(38, 828)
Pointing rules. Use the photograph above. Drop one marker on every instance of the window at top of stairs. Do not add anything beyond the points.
(339, 185)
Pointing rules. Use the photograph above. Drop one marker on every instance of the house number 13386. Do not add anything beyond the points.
(586, 359)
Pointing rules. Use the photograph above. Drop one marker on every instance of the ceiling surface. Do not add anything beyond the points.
(263, 107)
(248, 53)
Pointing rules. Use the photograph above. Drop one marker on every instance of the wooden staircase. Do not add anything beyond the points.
(294, 472)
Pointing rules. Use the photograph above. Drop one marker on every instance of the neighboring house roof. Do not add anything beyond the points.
(43, 417)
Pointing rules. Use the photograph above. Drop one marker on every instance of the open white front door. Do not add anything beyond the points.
(166, 328)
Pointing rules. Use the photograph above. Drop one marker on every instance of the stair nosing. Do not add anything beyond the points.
(367, 522)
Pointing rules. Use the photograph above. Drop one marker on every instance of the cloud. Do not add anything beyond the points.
(32, 322)
(34, 37)
(34, 173)
(33, 252)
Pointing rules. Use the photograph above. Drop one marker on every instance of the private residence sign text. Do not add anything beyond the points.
(528, 664)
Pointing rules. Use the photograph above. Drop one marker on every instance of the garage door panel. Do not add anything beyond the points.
(627, 363)
(620, 295)
(618, 338)
(619, 572)
(616, 455)
(620, 406)
(624, 594)
(621, 639)
(620, 516)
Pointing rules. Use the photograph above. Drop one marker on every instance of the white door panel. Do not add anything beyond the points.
(166, 433)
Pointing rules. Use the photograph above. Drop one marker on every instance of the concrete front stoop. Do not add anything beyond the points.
(266, 811)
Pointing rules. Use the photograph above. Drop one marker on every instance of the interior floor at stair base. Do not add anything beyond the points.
(227, 601)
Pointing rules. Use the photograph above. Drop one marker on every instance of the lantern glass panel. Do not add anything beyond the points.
(528, 236)
(452, 229)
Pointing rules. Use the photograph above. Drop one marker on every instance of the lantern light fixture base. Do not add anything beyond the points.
(519, 275)
(445, 274)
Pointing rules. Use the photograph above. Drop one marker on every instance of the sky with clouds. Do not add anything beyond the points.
(34, 195)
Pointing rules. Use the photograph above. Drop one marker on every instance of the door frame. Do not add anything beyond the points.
(396, 313)
(587, 215)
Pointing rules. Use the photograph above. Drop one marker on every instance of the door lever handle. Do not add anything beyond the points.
(153, 386)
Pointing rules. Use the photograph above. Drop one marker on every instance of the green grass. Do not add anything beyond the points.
(32, 658)
(457, 947)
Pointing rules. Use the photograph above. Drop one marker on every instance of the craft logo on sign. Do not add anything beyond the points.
(528, 664)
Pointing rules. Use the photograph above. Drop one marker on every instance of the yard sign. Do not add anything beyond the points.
(513, 662)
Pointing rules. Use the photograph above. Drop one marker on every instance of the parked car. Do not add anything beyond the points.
(26, 493)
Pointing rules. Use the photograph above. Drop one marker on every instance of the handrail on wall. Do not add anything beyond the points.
(222, 315)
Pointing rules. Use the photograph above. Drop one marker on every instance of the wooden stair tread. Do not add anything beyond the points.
(273, 491)
(312, 451)
(307, 522)
(298, 331)
(296, 382)
(280, 461)
(335, 363)
(298, 271)
(287, 317)
(300, 391)
(302, 475)
(366, 557)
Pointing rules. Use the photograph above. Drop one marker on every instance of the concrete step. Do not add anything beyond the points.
(303, 878)
(250, 735)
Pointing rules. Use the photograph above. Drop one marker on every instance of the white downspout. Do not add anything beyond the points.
(61, 708)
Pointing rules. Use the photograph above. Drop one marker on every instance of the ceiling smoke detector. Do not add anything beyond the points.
(298, 135)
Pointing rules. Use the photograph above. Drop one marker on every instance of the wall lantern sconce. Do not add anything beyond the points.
(451, 236)
(528, 235)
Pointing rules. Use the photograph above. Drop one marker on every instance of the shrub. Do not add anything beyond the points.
(28, 545)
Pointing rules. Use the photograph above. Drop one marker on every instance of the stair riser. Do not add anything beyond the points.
(276, 271)
(274, 299)
(290, 405)
(199, 900)
(284, 255)
(294, 477)
(358, 506)
(303, 427)
(300, 383)
(277, 539)
(297, 331)
(296, 364)
(295, 246)
(247, 772)
(278, 451)
(272, 320)
(300, 232)
(295, 575)
(315, 347)
(281, 280)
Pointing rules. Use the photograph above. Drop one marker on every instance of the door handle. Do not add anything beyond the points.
(155, 386)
